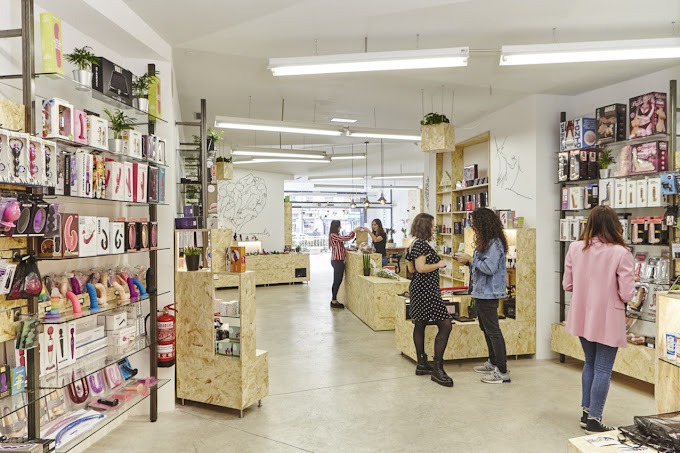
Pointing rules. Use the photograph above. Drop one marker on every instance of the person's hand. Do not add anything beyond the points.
(462, 258)
(442, 265)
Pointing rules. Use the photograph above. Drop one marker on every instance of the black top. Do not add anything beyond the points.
(380, 246)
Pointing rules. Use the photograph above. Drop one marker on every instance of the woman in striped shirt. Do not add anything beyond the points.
(337, 244)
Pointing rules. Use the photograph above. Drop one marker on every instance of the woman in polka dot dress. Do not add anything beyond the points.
(427, 306)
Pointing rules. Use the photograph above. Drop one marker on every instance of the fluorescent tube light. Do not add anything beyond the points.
(348, 157)
(274, 152)
(282, 159)
(583, 52)
(404, 176)
(274, 126)
(343, 120)
(334, 178)
(370, 61)
(388, 134)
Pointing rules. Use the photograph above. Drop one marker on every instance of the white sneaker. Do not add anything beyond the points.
(486, 368)
(496, 377)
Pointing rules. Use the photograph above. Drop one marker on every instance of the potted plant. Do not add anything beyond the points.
(436, 133)
(192, 256)
(405, 241)
(390, 242)
(82, 58)
(604, 161)
(367, 264)
(119, 122)
(140, 91)
(213, 138)
(225, 168)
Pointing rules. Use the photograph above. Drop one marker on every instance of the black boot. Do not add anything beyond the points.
(439, 375)
(423, 367)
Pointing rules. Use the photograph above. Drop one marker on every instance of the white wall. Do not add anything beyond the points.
(252, 204)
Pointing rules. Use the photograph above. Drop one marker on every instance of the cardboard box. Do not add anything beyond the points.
(606, 192)
(149, 147)
(57, 117)
(563, 166)
(123, 336)
(131, 236)
(113, 321)
(237, 259)
(593, 165)
(5, 381)
(162, 156)
(565, 199)
(17, 377)
(112, 80)
(65, 344)
(641, 193)
(117, 237)
(50, 39)
(564, 229)
(80, 127)
(155, 97)
(611, 123)
(574, 165)
(115, 180)
(48, 349)
(583, 164)
(98, 132)
(650, 157)
(153, 184)
(88, 235)
(153, 235)
(143, 242)
(84, 175)
(103, 239)
(132, 143)
(90, 335)
(647, 115)
(592, 196)
(51, 161)
(625, 226)
(631, 197)
(129, 181)
(620, 193)
(18, 145)
(36, 162)
(669, 184)
(69, 234)
(89, 348)
(39, 213)
(140, 180)
(99, 177)
(577, 134)
(654, 197)
(5, 156)
(576, 198)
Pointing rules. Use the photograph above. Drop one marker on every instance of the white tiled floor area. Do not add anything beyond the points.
(337, 386)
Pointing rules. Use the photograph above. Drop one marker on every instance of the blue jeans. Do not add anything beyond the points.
(597, 372)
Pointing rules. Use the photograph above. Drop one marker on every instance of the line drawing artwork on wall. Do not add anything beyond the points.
(509, 169)
(241, 201)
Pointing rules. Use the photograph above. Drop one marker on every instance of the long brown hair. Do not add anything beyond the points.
(487, 227)
(381, 230)
(604, 224)
(334, 229)
(421, 227)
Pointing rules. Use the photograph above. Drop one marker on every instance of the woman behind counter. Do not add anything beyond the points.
(379, 237)
(337, 244)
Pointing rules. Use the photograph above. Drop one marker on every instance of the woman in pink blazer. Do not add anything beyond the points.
(598, 270)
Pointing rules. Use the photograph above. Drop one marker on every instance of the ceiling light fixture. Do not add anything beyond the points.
(333, 178)
(281, 159)
(387, 134)
(402, 176)
(348, 157)
(343, 120)
(275, 152)
(583, 52)
(227, 122)
(370, 61)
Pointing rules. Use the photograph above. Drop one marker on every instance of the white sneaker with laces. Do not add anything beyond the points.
(496, 377)
(485, 368)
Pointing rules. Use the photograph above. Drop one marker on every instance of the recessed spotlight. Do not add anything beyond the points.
(343, 120)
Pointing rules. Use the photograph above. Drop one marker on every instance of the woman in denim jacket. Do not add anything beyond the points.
(488, 280)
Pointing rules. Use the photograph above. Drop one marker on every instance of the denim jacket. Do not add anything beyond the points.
(488, 272)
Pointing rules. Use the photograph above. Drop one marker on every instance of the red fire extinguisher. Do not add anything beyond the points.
(166, 337)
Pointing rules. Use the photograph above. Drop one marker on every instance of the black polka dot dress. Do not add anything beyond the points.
(426, 298)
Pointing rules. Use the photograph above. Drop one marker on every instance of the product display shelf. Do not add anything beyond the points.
(76, 199)
(666, 393)
(92, 363)
(635, 360)
(471, 188)
(467, 340)
(27, 400)
(135, 252)
(110, 417)
(236, 382)
(63, 143)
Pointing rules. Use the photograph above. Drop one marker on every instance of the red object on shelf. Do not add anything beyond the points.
(166, 338)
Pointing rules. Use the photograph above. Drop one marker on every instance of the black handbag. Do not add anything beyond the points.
(657, 431)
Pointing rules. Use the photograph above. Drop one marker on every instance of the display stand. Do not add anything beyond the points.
(467, 340)
(668, 380)
(272, 269)
(203, 375)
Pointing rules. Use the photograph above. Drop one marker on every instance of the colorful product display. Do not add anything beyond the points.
(647, 114)
(50, 39)
(577, 134)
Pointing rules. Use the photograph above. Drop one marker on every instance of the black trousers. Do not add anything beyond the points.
(487, 311)
(338, 274)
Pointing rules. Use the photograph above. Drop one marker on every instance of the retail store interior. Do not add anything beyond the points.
(170, 172)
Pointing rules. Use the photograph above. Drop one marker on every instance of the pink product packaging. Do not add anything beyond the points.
(36, 162)
(115, 181)
(565, 198)
(84, 176)
(647, 115)
(80, 127)
(57, 116)
(87, 235)
(650, 157)
(140, 181)
(129, 181)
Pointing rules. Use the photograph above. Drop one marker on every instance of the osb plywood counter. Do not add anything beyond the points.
(373, 300)
(636, 361)
(467, 339)
(668, 380)
(272, 269)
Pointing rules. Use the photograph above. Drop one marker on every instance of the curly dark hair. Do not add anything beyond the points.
(487, 227)
(421, 227)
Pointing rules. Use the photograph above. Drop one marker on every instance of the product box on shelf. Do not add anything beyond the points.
(84, 175)
(564, 205)
(650, 157)
(654, 198)
(65, 344)
(574, 165)
(592, 195)
(153, 235)
(161, 185)
(87, 235)
(577, 133)
(19, 148)
(129, 181)
(620, 193)
(99, 177)
(593, 165)
(161, 155)
(576, 198)
(621, 167)
(60, 159)
(139, 184)
(153, 184)
(574, 225)
(117, 237)
(123, 336)
(103, 241)
(625, 229)
(132, 143)
(6, 382)
(23, 223)
(84, 337)
(48, 349)
(506, 217)
(641, 193)
(17, 377)
(155, 96)
(606, 191)
(657, 232)
(50, 154)
(563, 166)
(564, 229)
(149, 147)
(113, 321)
(91, 347)
(131, 235)
(112, 80)
(50, 40)
(57, 117)
(115, 181)
(5, 156)
(631, 196)
(80, 127)
(237, 259)
(70, 237)
(583, 164)
(647, 115)
(98, 132)
(637, 230)
(38, 221)
(142, 229)
(669, 183)
(611, 123)
(36, 162)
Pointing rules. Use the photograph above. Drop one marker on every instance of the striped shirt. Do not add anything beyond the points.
(338, 245)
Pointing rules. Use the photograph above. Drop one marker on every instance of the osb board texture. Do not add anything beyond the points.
(220, 240)
(354, 267)
(526, 275)
(247, 305)
(373, 299)
(668, 381)
(256, 379)
(666, 389)
(12, 115)
(195, 311)
(635, 361)
(437, 137)
(288, 224)
(217, 380)
(271, 269)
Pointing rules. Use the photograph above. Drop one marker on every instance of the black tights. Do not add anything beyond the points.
(440, 340)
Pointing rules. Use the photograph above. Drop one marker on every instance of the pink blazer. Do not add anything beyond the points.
(601, 281)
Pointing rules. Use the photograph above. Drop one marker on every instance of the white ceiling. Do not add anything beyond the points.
(221, 50)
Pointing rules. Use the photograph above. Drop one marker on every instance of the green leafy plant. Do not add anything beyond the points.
(223, 159)
(391, 232)
(140, 85)
(82, 58)
(433, 118)
(367, 260)
(120, 122)
(403, 231)
(215, 136)
(606, 159)
(192, 251)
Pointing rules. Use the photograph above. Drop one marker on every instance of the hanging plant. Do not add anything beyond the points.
(433, 118)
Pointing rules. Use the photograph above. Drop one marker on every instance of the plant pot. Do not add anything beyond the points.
(605, 172)
(225, 171)
(83, 79)
(367, 272)
(116, 145)
(391, 245)
(141, 104)
(192, 262)
(437, 137)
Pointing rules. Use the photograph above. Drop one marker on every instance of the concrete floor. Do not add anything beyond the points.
(335, 385)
